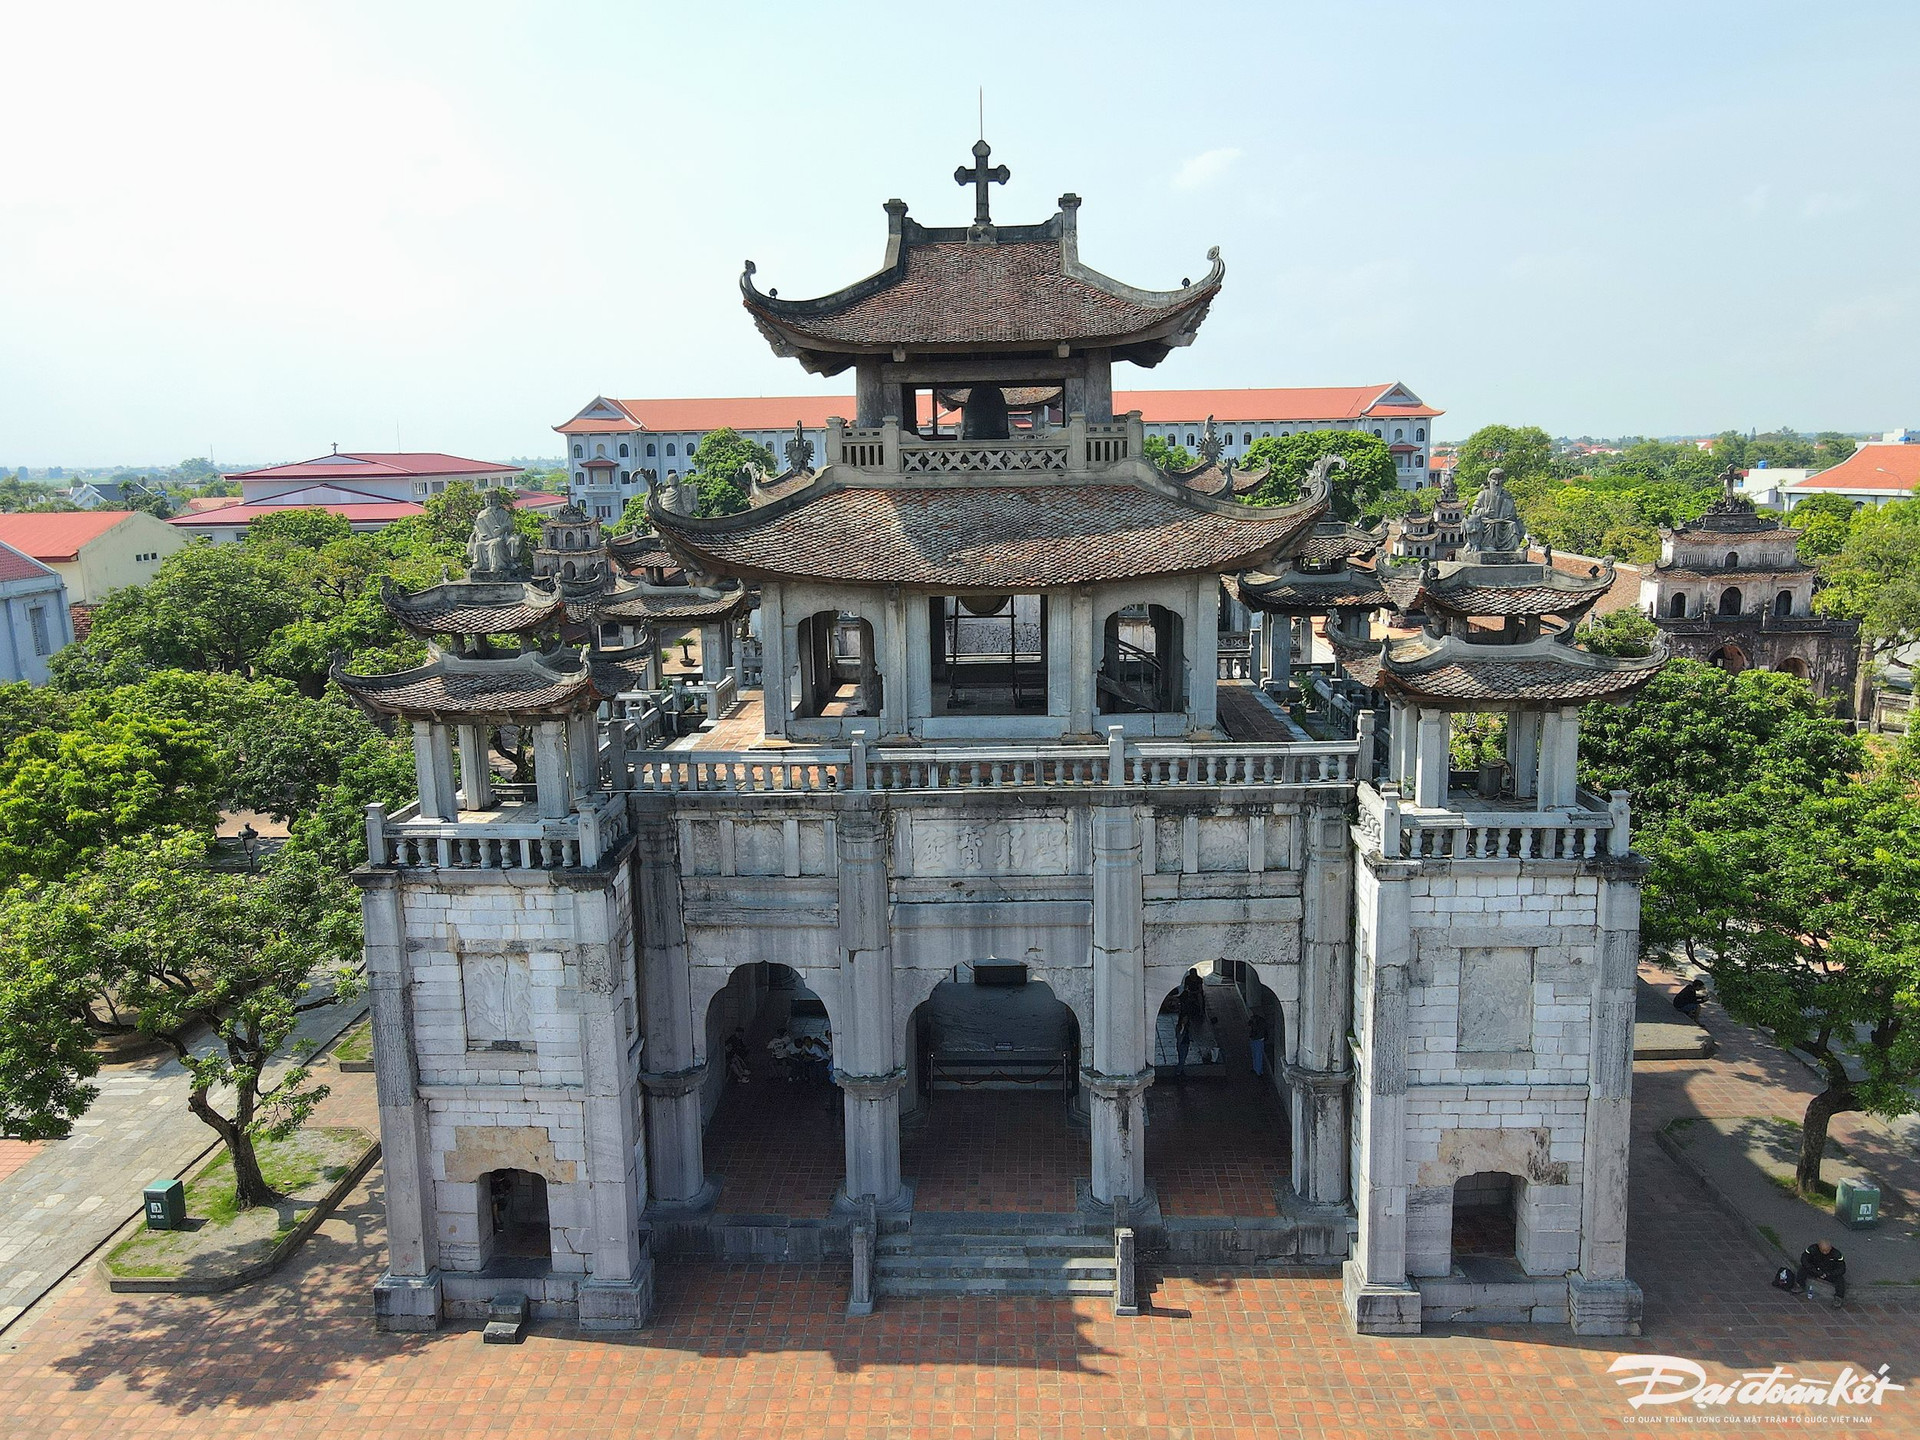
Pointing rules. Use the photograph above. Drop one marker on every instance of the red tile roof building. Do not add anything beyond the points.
(94, 551)
(406, 476)
(1874, 474)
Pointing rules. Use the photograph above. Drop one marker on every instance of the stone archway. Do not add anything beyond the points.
(1793, 665)
(1730, 658)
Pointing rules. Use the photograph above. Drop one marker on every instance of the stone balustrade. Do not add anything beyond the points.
(863, 768)
(1080, 446)
(1478, 830)
(511, 837)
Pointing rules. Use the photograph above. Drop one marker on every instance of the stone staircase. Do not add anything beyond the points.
(994, 1255)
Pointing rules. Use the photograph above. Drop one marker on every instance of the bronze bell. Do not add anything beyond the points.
(984, 415)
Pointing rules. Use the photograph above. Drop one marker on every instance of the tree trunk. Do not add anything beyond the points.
(1834, 1100)
(250, 1186)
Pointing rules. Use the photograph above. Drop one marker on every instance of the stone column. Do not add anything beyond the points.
(869, 1070)
(1433, 756)
(1203, 656)
(550, 769)
(713, 652)
(1603, 1301)
(1317, 1082)
(773, 661)
(890, 645)
(1523, 752)
(408, 1296)
(1121, 1071)
(673, 1070)
(583, 755)
(1559, 756)
(1256, 643)
(433, 766)
(1280, 636)
(619, 1291)
(1082, 656)
(1379, 1298)
(476, 774)
(1400, 732)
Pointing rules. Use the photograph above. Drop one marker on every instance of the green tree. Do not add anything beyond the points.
(1520, 450)
(720, 470)
(1626, 631)
(1875, 577)
(1824, 523)
(149, 938)
(1357, 489)
(299, 525)
(65, 796)
(1167, 455)
(334, 831)
(633, 518)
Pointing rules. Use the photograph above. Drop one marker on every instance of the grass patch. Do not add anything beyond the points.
(303, 1167)
(1773, 1237)
(356, 1044)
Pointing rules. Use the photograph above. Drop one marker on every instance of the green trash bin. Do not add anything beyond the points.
(1856, 1203)
(166, 1205)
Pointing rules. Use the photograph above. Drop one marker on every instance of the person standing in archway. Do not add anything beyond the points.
(1257, 1032)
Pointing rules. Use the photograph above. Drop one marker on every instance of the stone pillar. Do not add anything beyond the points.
(773, 661)
(583, 756)
(1559, 756)
(433, 765)
(1082, 656)
(619, 1291)
(1318, 1081)
(870, 393)
(1121, 1071)
(1256, 643)
(1602, 1300)
(866, 1064)
(1378, 1296)
(713, 650)
(1099, 392)
(1433, 756)
(1203, 656)
(1280, 636)
(1523, 752)
(408, 1296)
(1400, 734)
(889, 652)
(674, 1072)
(476, 774)
(550, 769)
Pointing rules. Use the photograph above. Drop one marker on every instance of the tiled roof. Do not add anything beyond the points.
(643, 549)
(455, 687)
(974, 536)
(940, 289)
(1625, 594)
(1470, 587)
(17, 566)
(1215, 478)
(1239, 407)
(1451, 670)
(368, 512)
(617, 671)
(1311, 592)
(1889, 469)
(474, 607)
(1336, 540)
(372, 464)
(650, 603)
(55, 537)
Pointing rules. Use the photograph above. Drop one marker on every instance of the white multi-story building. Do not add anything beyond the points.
(613, 446)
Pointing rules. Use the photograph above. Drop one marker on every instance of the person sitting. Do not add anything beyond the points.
(1822, 1260)
(781, 1049)
(738, 1070)
(1688, 998)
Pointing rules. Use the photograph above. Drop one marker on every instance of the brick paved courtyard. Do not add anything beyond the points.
(738, 1352)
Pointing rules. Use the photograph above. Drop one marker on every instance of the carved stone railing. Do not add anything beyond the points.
(1109, 442)
(1402, 831)
(500, 841)
(893, 449)
(812, 770)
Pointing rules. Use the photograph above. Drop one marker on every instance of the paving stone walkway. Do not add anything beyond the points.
(67, 1196)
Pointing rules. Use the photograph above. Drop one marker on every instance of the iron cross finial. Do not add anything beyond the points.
(980, 177)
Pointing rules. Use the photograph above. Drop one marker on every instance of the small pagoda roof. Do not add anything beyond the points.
(1293, 591)
(1331, 541)
(615, 672)
(1225, 479)
(1451, 672)
(475, 607)
(644, 550)
(468, 690)
(968, 290)
(969, 536)
(649, 604)
(1732, 573)
(1481, 586)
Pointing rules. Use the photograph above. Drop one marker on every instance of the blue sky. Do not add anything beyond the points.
(261, 229)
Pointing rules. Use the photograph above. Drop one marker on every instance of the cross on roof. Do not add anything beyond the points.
(980, 177)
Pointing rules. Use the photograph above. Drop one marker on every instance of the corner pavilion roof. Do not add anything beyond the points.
(502, 690)
(654, 603)
(475, 607)
(992, 288)
(1004, 536)
(1310, 592)
(1451, 672)
(1475, 586)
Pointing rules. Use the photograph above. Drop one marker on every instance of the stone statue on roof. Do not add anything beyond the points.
(495, 550)
(1493, 523)
(1210, 443)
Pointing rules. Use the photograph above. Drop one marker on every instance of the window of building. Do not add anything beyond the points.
(1247, 439)
(1376, 432)
(1677, 607)
(1733, 559)
(1783, 603)
(626, 476)
(1142, 662)
(1421, 433)
(1730, 602)
(1399, 433)
(623, 449)
(650, 448)
(579, 477)
(1192, 441)
(989, 653)
(670, 449)
(603, 512)
(42, 634)
(579, 452)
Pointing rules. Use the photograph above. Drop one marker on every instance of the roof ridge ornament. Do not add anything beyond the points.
(980, 176)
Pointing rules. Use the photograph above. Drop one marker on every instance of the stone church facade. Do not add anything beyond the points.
(993, 741)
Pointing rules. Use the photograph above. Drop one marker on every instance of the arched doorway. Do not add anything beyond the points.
(1730, 658)
(1485, 1211)
(1218, 1132)
(1677, 606)
(1793, 665)
(1730, 601)
(994, 1118)
(516, 1230)
(1783, 604)
(774, 1121)
(1142, 662)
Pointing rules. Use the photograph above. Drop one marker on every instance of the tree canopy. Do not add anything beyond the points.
(1875, 575)
(720, 470)
(1357, 490)
(1520, 450)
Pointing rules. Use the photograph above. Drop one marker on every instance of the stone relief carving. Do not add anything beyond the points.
(1036, 846)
